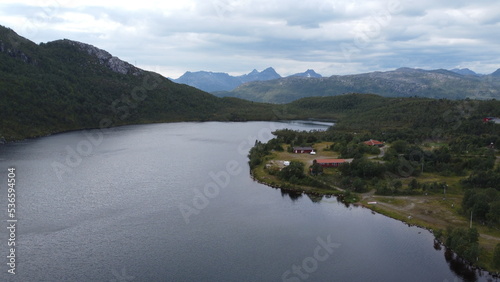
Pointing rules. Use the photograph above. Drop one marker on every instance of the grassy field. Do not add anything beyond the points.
(434, 212)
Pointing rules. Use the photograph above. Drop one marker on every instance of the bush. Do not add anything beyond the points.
(292, 172)
(464, 242)
(495, 262)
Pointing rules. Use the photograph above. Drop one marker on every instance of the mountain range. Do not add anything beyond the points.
(219, 81)
(67, 85)
(403, 82)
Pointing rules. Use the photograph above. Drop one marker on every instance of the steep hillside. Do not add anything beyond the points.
(66, 85)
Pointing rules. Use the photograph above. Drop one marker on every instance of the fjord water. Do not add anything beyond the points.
(175, 202)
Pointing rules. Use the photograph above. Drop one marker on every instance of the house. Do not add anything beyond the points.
(491, 119)
(330, 162)
(372, 142)
(302, 150)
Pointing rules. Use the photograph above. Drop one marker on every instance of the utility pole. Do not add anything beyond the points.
(470, 226)
(422, 164)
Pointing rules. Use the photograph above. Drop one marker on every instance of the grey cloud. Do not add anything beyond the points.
(210, 35)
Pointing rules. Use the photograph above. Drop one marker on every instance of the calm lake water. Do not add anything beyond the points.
(175, 202)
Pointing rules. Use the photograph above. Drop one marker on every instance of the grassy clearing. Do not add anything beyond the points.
(433, 212)
(262, 175)
(307, 158)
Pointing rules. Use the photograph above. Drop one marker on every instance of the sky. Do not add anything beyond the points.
(333, 37)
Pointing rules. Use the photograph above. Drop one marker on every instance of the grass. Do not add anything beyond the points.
(307, 158)
(433, 212)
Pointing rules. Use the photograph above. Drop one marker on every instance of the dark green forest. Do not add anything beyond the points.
(56, 86)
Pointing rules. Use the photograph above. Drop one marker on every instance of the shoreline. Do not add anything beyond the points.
(359, 203)
(4, 141)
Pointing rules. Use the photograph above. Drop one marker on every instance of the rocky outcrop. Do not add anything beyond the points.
(16, 53)
(105, 58)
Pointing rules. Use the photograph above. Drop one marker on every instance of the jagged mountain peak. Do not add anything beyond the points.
(269, 69)
(220, 81)
(308, 73)
(403, 82)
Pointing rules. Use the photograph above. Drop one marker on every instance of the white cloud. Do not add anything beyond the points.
(236, 36)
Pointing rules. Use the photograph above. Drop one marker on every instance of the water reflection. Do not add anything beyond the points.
(293, 195)
(315, 198)
(437, 245)
(460, 266)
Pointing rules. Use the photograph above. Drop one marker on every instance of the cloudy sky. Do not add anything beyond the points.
(236, 36)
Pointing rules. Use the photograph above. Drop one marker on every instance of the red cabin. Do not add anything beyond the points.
(330, 162)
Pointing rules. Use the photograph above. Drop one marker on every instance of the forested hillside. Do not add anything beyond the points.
(416, 118)
(66, 85)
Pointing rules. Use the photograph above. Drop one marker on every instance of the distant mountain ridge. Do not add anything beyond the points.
(220, 81)
(403, 82)
(465, 71)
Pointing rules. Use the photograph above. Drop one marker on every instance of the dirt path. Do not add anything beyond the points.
(429, 209)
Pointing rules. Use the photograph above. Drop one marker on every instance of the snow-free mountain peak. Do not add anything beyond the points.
(220, 81)
(308, 73)
(464, 71)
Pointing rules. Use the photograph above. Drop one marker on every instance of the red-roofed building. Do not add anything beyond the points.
(330, 162)
(372, 142)
(491, 119)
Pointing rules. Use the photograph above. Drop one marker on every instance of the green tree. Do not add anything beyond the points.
(358, 184)
(294, 170)
(495, 262)
(493, 215)
(413, 185)
(398, 185)
(400, 146)
(464, 242)
(316, 169)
